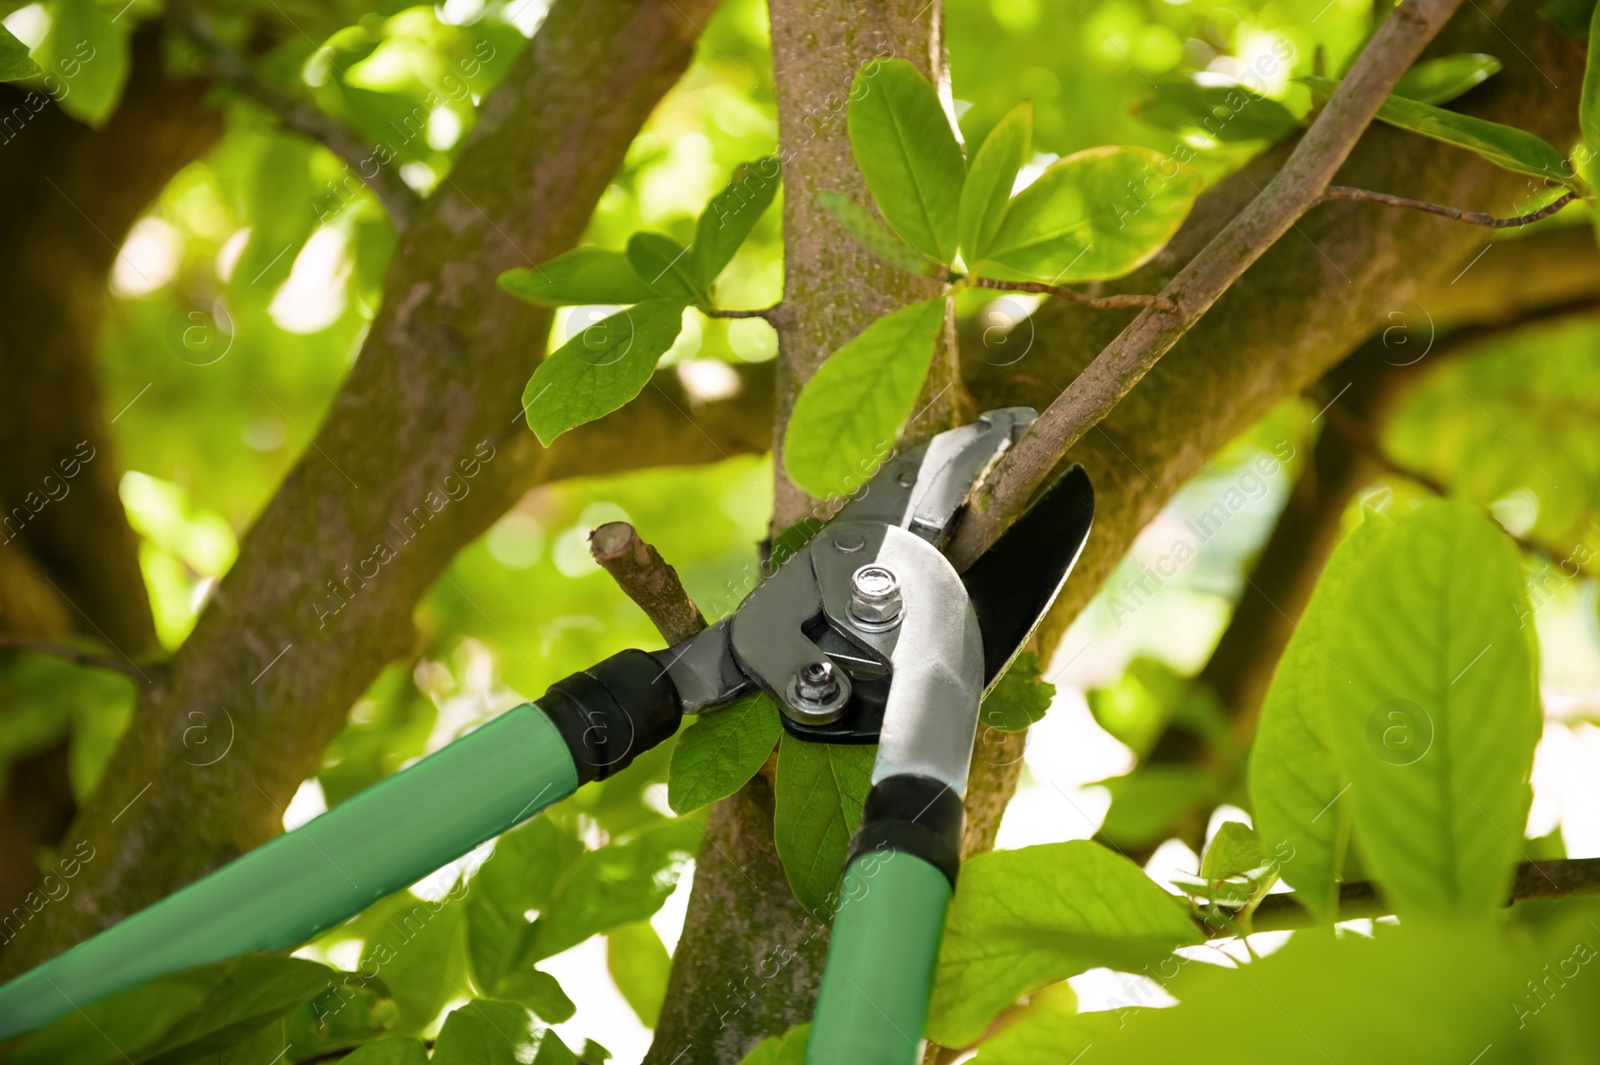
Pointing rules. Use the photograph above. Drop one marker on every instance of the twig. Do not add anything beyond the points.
(1474, 218)
(368, 161)
(644, 575)
(1291, 193)
(1560, 878)
(73, 654)
(1113, 303)
(765, 313)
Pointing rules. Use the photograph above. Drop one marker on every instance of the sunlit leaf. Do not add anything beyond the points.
(486, 1032)
(1146, 802)
(871, 234)
(992, 172)
(850, 412)
(729, 218)
(601, 368)
(1433, 710)
(907, 152)
(618, 884)
(821, 788)
(1049, 1029)
(580, 276)
(664, 264)
(1022, 919)
(419, 948)
(1437, 81)
(786, 1049)
(15, 63)
(721, 750)
(1222, 112)
(87, 53)
(1232, 851)
(393, 1051)
(1295, 780)
(640, 966)
(1019, 698)
(1505, 146)
(1097, 214)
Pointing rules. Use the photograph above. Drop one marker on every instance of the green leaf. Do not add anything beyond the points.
(1221, 111)
(89, 54)
(486, 1032)
(729, 218)
(392, 1051)
(520, 875)
(15, 63)
(1433, 709)
(663, 263)
(786, 1049)
(640, 966)
(1049, 1030)
(717, 754)
(906, 150)
(1437, 81)
(355, 1010)
(1149, 697)
(990, 176)
(1513, 149)
(580, 276)
(1295, 781)
(539, 992)
(196, 1011)
(1148, 801)
(1019, 698)
(1023, 919)
(418, 949)
(1234, 850)
(820, 790)
(1097, 214)
(850, 412)
(601, 368)
(618, 884)
(871, 234)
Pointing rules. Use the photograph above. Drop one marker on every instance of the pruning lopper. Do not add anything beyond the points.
(866, 634)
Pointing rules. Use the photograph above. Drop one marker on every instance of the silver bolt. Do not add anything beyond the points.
(875, 596)
(817, 683)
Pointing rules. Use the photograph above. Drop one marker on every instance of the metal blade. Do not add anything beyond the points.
(1012, 584)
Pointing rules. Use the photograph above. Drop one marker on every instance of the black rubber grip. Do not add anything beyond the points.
(916, 814)
(612, 712)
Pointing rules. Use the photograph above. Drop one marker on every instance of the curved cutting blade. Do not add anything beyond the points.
(1012, 584)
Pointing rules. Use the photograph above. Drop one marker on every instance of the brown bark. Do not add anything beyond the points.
(432, 395)
(648, 579)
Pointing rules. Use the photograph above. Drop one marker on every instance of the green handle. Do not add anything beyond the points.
(874, 997)
(303, 882)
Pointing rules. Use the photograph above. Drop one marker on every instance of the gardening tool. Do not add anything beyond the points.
(866, 634)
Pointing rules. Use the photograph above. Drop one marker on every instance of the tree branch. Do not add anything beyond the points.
(125, 666)
(765, 313)
(1292, 191)
(1121, 301)
(429, 406)
(1554, 879)
(371, 163)
(647, 579)
(1474, 218)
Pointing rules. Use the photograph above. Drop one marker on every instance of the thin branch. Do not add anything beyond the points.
(1474, 218)
(371, 163)
(764, 313)
(647, 579)
(72, 654)
(1291, 193)
(1554, 879)
(1103, 303)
